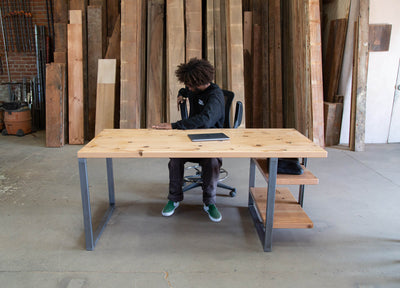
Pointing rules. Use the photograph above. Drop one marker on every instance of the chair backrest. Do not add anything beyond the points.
(229, 95)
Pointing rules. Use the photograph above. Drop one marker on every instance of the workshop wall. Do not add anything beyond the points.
(22, 64)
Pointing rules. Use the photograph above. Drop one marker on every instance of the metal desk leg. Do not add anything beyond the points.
(273, 168)
(91, 239)
(264, 231)
(87, 215)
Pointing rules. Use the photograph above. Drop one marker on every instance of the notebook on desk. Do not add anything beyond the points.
(208, 137)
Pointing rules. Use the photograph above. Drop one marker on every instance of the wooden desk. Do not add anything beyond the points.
(149, 143)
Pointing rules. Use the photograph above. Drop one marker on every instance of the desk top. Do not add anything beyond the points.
(243, 143)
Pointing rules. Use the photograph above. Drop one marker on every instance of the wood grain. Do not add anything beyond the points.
(243, 143)
(75, 78)
(107, 69)
(56, 105)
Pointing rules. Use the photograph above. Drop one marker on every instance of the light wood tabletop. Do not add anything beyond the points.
(243, 143)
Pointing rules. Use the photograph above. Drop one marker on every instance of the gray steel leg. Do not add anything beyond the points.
(301, 187)
(87, 215)
(273, 168)
(110, 181)
(258, 224)
(92, 238)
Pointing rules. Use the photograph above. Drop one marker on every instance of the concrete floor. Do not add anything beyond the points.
(355, 241)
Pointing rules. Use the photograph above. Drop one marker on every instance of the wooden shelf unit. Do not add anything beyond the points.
(307, 178)
(288, 212)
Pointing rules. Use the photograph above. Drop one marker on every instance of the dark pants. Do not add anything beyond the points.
(210, 174)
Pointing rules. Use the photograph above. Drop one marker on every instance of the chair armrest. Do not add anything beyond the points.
(238, 114)
(183, 108)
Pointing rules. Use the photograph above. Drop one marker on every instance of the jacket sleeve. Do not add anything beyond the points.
(212, 112)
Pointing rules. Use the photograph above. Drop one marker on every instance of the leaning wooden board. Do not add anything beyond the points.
(75, 78)
(175, 54)
(105, 94)
(193, 29)
(131, 21)
(151, 143)
(235, 53)
(155, 63)
(56, 104)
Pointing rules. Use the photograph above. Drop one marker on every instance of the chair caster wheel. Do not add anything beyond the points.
(232, 193)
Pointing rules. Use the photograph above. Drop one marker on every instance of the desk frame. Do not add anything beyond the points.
(264, 232)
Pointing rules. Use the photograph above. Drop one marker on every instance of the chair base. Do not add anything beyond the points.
(232, 193)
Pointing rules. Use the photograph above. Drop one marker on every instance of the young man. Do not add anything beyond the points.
(207, 110)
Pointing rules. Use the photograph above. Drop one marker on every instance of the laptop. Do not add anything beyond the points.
(208, 137)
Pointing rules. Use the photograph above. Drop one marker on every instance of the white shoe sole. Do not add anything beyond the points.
(209, 216)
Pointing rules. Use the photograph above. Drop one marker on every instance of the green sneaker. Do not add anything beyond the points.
(169, 209)
(213, 212)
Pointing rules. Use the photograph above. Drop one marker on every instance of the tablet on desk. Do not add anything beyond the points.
(208, 137)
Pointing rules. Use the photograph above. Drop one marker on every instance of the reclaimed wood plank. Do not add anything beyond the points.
(175, 54)
(130, 103)
(56, 105)
(235, 54)
(193, 24)
(155, 64)
(75, 78)
(106, 80)
(334, 58)
(317, 93)
(96, 48)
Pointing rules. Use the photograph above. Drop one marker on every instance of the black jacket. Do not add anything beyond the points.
(207, 109)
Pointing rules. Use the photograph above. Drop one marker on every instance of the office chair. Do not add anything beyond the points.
(194, 180)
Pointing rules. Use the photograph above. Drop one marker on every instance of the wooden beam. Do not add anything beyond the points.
(193, 18)
(82, 5)
(235, 55)
(106, 81)
(317, 93)
(155, 64)
(210, 33)
(362, 75)
(56, 105)
(96, 48)
(334, 58)
(175, 54)
(75, 78)
(248, 65)
(131, 30)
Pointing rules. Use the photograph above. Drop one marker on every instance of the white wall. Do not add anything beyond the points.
(382, 74)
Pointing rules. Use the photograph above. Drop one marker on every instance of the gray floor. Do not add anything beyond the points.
(355, 241)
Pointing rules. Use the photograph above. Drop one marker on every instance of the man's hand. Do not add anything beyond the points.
(180, 100)
(162, 126)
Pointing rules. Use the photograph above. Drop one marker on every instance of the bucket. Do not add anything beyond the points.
(18, 120)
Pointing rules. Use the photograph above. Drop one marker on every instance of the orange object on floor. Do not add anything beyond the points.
(18, 120)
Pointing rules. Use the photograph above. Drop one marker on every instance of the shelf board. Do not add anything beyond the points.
(287, 213)
(307, 178)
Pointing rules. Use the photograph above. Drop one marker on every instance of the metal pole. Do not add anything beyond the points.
(5, 53)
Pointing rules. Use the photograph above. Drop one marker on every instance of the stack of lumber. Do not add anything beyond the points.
(267, 52)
